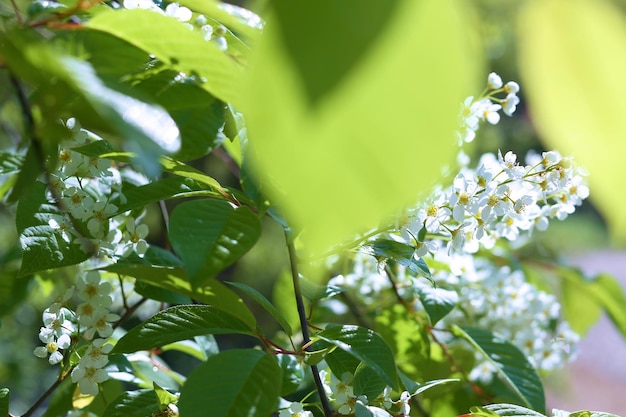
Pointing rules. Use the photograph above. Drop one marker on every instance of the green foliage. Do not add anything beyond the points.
(180, 323)
(366, 346)
(231, 384)
(513, 367)
(210, 235)
(327, 119)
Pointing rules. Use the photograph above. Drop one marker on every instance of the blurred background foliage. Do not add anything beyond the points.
(22, 301)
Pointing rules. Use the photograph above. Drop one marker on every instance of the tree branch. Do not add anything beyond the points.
(328, 411)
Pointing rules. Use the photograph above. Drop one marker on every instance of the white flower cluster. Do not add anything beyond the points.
(62, 326)
(184, 15)
(500, 201)
(487, 106)
(341, 393)
(84, 186)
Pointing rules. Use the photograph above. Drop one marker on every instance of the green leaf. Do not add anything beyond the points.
(401, 253)
(155, 293)
(265, 303)
(139, 403)
(368, 382)
(437, 302)
(164, 189)
(602, 290)
(361, 410)
(4, 401)
(572, 55)
(511, 364)
(577, 308)
(164, 397)
(210, 235)
(427, 385)
(366, 346)
(212, 292)
(315, 292)
(42, 246)
(10, 163)
(198, 115)
(293, 373)
(233, 383)
(340, 361)
(512, 410)
(348, 96)
(178, 47)
(180, 323)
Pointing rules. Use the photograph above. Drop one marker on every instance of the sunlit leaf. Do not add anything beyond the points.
(176, 45)
(572, 57)
(512, 366)
(353, 136)
(233, 383)
(138, 403)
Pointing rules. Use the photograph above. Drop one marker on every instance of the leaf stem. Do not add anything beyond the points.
(293, 261)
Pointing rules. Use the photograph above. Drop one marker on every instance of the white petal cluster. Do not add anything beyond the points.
(498, 199)
(487, 107)
(340, 391)
(457, 230)
(90, 189)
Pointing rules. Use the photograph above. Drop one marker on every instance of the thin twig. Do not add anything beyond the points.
(328, 411)
(45, 395)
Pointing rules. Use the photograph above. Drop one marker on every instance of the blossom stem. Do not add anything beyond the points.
(293, 261)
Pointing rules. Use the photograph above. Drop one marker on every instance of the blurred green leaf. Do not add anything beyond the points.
(293, 373)
(164, 397)
(602, 291)
(4, 401)
(572, 56)
(368, 382)
(233, 383)
(341, 118)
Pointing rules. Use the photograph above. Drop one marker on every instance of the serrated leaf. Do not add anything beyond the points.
(212, 292)
(180, 323)
(139, 403)
(368, 382)
(365, 345)
(176, 46)
(512, 366)
(42, 246)
(265, 303)
(437, 302)
(210, 235)
(233, 383)
(512, 410)
(331, 83)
